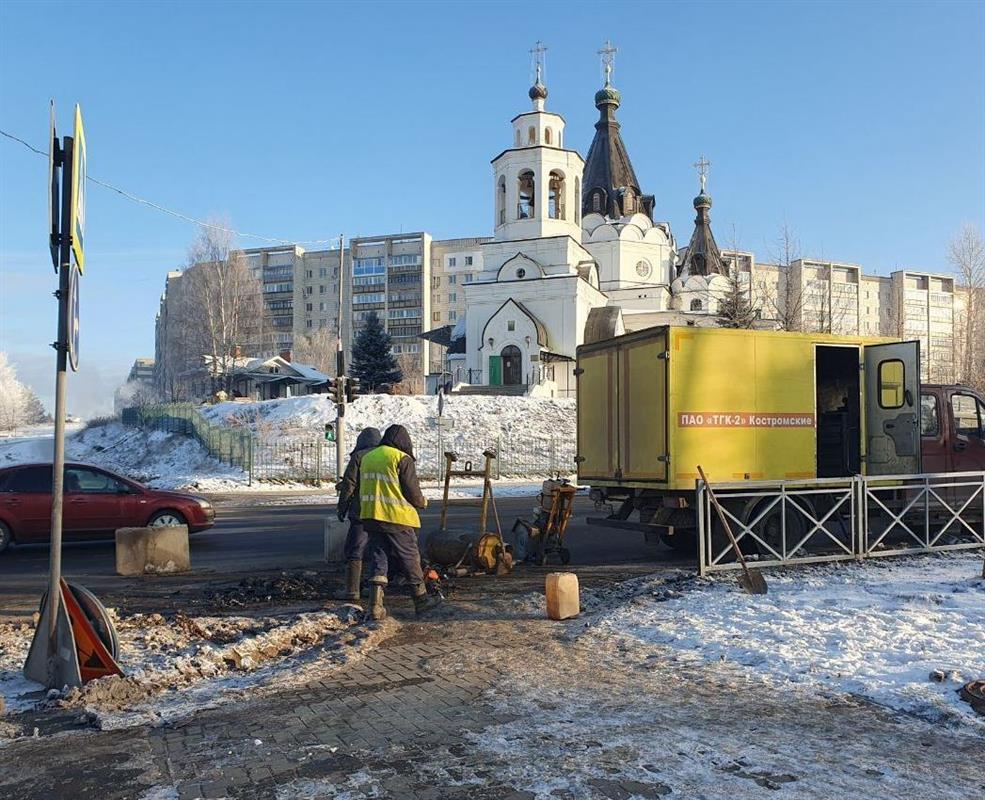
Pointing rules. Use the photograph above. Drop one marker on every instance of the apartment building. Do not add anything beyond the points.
(275, 268)
(454, 264)
(836, 297)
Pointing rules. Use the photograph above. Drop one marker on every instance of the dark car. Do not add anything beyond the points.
(97, 502)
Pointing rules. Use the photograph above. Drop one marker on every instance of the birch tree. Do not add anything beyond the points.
(224, 303)
(966, 252)
(784, 302)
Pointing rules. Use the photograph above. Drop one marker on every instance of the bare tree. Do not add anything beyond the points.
(736, 306)
(784, 302)
(966, 252)
(413, 372)
(226, 313)
(317, 349)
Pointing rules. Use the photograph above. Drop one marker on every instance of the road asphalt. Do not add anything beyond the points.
(250, 538)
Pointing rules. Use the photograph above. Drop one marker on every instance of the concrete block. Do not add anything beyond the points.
(562, 595)
(335, 533)
(153, 551)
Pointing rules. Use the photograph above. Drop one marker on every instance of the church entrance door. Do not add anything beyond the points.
(495, 371)
(512, 366)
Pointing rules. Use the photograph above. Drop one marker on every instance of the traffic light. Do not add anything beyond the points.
(336, 390)
(329, 432)
(352, 389)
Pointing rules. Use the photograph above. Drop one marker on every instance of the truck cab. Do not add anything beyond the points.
(952, 428)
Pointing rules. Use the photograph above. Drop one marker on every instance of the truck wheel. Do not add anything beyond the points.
(683, 541)
(5, 537)
(770, 529)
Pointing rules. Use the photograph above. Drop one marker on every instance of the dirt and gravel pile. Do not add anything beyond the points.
(282, 589)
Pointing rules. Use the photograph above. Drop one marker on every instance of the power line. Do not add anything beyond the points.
(177, 214)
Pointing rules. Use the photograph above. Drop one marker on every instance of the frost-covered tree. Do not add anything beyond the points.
(373, 362)
(15, 397)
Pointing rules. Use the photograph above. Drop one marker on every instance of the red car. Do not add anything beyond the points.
(97, 502)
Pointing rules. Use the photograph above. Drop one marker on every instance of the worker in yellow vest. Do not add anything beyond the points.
(390, 496)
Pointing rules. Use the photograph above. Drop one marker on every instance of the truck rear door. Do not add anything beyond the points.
(892, 408)
(598, 409)
(643, 455)
(622, 409)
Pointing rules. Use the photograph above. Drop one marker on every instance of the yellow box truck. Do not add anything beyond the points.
(744, 404)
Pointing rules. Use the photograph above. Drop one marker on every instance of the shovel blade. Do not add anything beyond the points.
(753, 582)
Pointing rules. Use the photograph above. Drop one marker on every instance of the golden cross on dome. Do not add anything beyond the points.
(608, 53)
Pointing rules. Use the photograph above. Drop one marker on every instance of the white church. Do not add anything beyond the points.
(576, 254)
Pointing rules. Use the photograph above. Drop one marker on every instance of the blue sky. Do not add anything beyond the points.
(862, 125)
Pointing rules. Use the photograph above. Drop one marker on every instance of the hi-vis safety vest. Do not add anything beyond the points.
(380, 497)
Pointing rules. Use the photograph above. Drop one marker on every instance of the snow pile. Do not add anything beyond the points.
(158, 459)
(877, 629)
(533, 434)
(174, 665)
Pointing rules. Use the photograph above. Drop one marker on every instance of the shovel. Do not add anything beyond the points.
(751, 580)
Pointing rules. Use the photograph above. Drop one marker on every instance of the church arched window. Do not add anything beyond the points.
(598, 201)
(548, 136)
(525, 195)
(501, 200)
(577, 199)
(696, 305)
(555, 195)
(531, 135)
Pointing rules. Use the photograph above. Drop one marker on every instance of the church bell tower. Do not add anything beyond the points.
(537, 182)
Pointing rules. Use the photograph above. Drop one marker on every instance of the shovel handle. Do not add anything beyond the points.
(721, 516)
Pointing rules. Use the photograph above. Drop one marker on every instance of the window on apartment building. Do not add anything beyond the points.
(309, 289)
(307, 323)
(468, 261)
(469, 278)
(307, 306)
(452, 280)
(308, 273)
(451, 261)
(452, 316)
(323, 272)
(321, 289)
(435, 316)
(321, 306)
(435, 281)
(322, 322)
(452, 297)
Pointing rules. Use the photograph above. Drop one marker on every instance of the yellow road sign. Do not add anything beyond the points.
(78, 184)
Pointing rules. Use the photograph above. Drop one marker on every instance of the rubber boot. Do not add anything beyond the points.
(376, 610)
(353, 574)
(424, 602)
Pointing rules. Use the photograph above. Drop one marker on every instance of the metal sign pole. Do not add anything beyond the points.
(58, 457)
(340, 375)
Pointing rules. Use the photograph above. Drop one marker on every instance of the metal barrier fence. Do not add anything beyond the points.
(307, 459)
(841, 519)
(233, 446)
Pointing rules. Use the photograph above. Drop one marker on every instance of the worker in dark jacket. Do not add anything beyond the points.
(348, 491)
(390, 496)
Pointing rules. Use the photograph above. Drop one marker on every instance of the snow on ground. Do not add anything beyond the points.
(158, 459)
(529, 431)
(875, 630)
(175, 666)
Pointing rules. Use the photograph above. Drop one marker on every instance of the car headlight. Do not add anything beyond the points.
(203, 503)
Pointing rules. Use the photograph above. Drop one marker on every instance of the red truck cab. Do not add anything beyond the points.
(952, 428)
